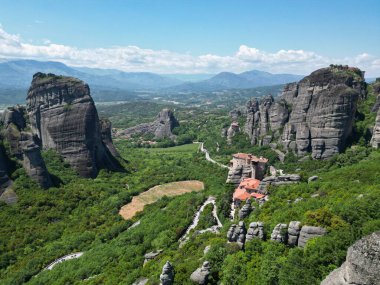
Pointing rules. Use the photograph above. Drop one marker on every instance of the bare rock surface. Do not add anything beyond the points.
(323, 110)
(23, 146)
(167, 275)
(314, 116)
(63, 117)
(200, 275)
(279, 233)
(309, 232)
(375, 140)
(255, 230)
(294, 230)
(362, 265)
(245, 210)
(161, 127)
(263, 117)
(236, 233)
(151, 255)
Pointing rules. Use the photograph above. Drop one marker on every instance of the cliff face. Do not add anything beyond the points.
(375, 141)
(265, 119)
(314, 115)
(23, 147)
(4, 178)
(362, 265)
(63, 117)
(161, 127)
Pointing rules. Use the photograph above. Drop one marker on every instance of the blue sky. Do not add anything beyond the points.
(205, 36)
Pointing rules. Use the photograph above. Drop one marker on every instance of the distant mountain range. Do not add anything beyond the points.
(19, 74)
(229, 80)
(112, 84)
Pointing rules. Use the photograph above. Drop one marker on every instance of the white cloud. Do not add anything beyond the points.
(133, 58)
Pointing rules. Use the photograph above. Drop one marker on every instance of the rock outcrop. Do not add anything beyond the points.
(63, 117)
(167, 275)
(277, 181)
(245, 210)
(106, 133)
(294, 230)
(376, 91)
(23, 146)
(375, 140)
(236, 233)
(264, 118)
(279, 233)
(200, 275)
(33, 162)
(255, 230)
(309, 232)
(232, 130)
(314, 116)
(5, 181)
(151, 255)
(312, 178)
(362, 265)
(161, 127)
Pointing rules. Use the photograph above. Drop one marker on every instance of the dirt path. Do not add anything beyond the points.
(62, 259)
(153, 194)
(214, 229)
(208, 158)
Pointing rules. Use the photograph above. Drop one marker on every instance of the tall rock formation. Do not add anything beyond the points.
(323, 111)
(375, 141)
(63, 117)
(160, 128)
(5, 181)
(362, 265)
(167, 275)
(23, 146)
(265, 119)
(314, 115)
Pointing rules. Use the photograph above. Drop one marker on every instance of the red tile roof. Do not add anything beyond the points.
(250, 183)
(242, 193)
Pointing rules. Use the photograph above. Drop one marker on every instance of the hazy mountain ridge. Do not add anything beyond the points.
(229, 80)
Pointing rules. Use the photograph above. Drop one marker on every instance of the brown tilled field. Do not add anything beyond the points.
(153, 194)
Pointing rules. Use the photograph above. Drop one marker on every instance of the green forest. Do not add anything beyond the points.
(82, 215)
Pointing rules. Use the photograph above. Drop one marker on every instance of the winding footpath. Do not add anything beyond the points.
(214, 229)
(207, 155)
(62, 259)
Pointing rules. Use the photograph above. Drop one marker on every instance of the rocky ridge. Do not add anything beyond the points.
(200, 275)
(314, 116)
(160, 128)
(293, 234)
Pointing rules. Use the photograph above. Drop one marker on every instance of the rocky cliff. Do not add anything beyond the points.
(362, 265)
(315, 115)
(160, 128)
(23, 146)
(375, 141)
(63, 117)
(265, 118)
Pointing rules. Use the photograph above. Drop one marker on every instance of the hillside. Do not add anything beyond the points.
(79, 216)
